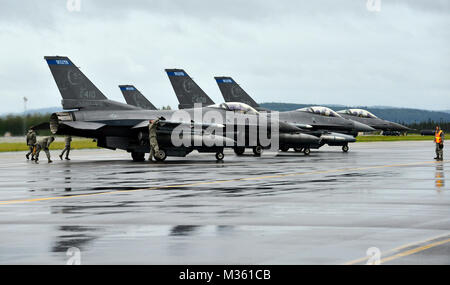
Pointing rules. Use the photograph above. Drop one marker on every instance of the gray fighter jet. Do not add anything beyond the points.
(135, 98)
(333, 129)
(366, 117)
(312, 121)
(120, 126)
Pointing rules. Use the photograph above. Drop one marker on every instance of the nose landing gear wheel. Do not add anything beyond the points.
(239, 150)
(160, 155)
(219, 156)
(306, 151)
(345, 148)
(257, 150)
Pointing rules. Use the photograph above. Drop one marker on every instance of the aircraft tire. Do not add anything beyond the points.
(161, 155)
(138, 156)
(306, 151)
(345, 148)
(284, 148)
(257, 150)
(239, 150)
(219, 156)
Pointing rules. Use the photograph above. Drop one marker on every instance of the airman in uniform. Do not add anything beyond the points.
(31, 141)
(66, 149)
(44, 144)
(439, 140)
(154, 147)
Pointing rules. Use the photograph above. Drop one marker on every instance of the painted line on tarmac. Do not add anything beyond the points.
(8, 202)
(406, 249)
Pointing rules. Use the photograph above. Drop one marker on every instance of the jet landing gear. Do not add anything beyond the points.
(345, 148)
(160, 155)
(219, 156)
(284, 148)
(306, 151)
(138, 156)
(239, 150)
(257, 150)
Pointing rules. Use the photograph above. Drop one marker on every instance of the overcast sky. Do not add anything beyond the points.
(335, 52)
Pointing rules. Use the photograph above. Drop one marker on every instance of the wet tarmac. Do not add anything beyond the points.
(327, 208)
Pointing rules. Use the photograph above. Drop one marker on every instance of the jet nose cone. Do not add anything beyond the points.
(398, 127)
(360, 127)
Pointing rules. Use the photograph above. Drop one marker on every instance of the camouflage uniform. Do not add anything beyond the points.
(44, 144)
(31, 141)
(154, 147)
(66, 149)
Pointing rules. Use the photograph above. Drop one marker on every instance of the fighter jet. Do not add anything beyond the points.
(135, 98)
(333, 129)
(189, 93)
(312, 121)
(366, 117)
(120, 126)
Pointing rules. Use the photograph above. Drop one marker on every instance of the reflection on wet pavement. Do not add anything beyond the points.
(332, 211)
(440, 179)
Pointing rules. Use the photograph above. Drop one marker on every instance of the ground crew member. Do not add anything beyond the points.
(154, 147)
(44, 144)
(439, 140)
(66, 149)
(31, 141)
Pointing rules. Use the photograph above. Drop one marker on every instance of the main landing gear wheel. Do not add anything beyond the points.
(219, 156)
(306, 151)
(284, 148)
(138, 156)
(345, 148)
(160, 155)
(239, 150)
(257, 150)
(298, 149)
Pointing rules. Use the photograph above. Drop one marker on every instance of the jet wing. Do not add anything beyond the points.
(83, 125)
(41, 126)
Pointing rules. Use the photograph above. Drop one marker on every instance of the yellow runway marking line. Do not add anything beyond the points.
(6, 202)
(407, 252)
(414, 250)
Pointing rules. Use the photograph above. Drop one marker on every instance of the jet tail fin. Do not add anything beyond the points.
(232, 92)
(186, 90)
(135, 98)
(77, 91)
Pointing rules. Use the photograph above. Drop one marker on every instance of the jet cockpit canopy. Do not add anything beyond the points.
(358, 113)
(237, 107)
(320, 110)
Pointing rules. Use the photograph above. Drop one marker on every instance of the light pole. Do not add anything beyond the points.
(25, 100)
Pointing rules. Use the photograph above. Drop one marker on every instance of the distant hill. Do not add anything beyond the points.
(399, 115)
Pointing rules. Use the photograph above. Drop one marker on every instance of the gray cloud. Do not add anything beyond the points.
(292, 51)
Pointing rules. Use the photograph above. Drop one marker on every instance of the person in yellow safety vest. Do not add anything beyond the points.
(439, 140)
